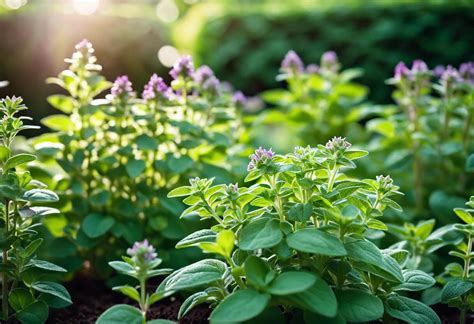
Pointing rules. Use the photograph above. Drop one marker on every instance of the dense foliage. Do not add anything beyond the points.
(113, 160)
(245, 44)
(27, 289)
(299, 239)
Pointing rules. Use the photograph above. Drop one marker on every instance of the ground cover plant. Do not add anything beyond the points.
(297, 243)
(118, 156)
(27, 289)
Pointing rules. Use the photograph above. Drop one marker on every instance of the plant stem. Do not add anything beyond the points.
(465, 275)
(143, 302)
(5, 261)
(332, 178)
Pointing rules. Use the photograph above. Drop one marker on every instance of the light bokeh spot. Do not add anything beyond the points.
(168, 55)
(167, 11)
(86, 7)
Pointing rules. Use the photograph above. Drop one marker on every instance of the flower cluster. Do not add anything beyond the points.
(418, 69)
(122, 88)
(156, 88)
(261, 156)
(239, 99)
(329, 61)
(337, 144)
(142, 252)
(83, 57)
(449, 75)
(385, 183)
(292, 63)
(183, 68)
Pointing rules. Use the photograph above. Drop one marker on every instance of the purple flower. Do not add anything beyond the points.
(156, 88)
(329, 61)
(211, 85)
(401, 71)
(418, 67)
(239, 99)
(329, 58)
(312, 69)
(338, 144)
(261, 156)
(439, 70)
(122, 87)
(202, 74)
(466, 70)
(184, 67)
(84, 47)
(292, 63)
(142, 252)
(450, 74)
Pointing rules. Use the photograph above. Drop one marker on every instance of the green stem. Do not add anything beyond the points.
(143, 301)
(465, 275)
(332, 178)
(5, 261)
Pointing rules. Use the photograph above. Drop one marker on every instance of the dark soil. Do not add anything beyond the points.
(91, 298)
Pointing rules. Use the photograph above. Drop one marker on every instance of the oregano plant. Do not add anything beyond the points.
(118, 156)
(426, 138)
(298, 242)
(27, 289)
(458, 277)
(141, 264)
(320, 101)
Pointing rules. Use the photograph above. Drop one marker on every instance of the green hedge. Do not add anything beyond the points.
(246, 47)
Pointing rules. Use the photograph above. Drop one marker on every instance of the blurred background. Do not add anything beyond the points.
(242, 40)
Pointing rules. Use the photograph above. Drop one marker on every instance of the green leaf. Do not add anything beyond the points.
(198, 274)
(191, 302)
(319, 299)
(464, 215)
(359, 306)
(45, 265)
(19, 159)
(123, 268)
(226, 241)
(355, 154)
(40, 195)
(20, 298)
(135, 167)
(146, 143)
(31, 248)
(160, 321)
(257, 271)
(455, 288)
(239, 306)
(371, 259)
(410, 310)
(300, 212)
(180, 192)
(196, 238)
(62, 103)
(128, 291)
(291, 282)
(4, 153)
(376, 224)
(27, 212)
(311, 240)
(260, 234)
(36, 313)
(52, 288)
(470, 163)
(58, 123)
(415, 280)
(95, 225)
(121, 314)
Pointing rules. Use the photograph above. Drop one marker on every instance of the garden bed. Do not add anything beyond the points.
(91, 297)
